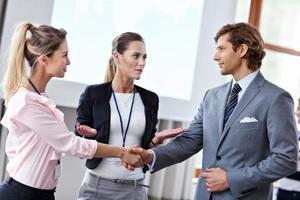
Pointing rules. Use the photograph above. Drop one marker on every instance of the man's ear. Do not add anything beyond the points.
(243, 49)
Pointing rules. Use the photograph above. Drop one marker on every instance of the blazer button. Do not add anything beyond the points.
(218, 157)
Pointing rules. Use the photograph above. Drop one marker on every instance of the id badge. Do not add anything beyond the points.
(58, 171)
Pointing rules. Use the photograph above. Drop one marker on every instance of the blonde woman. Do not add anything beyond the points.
(128, 117)
(37, 135)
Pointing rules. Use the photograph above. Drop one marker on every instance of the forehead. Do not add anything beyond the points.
(63, 46)
(136, 46)
(223, 40)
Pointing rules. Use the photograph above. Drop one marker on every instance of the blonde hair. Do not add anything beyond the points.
(120, 44)
(29, 43)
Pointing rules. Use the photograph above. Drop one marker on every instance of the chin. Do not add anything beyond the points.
(224, 73)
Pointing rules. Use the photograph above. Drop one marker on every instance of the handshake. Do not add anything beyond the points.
(135, 157)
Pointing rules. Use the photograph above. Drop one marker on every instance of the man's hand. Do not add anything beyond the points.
(142, 157)
(132, 158)
(86, 131)
(147, 156)
(165, 134)
(215, 179)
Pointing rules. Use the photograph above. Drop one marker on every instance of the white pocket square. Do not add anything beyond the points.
(248, 120)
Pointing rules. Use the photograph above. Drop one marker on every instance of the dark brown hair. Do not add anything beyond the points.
(243, 33)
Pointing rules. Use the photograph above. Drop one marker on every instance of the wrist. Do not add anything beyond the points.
(122, 152)
(156, 141)
(153, 144)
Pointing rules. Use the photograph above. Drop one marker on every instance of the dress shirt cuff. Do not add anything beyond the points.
(151, 164)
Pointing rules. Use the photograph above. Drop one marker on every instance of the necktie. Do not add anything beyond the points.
(233, 100)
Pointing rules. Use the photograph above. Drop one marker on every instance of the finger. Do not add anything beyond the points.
(134, 146)
(136, 150)
(210, 170)
(205, 175)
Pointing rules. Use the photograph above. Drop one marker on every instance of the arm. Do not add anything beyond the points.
(282, 159)
(183, 146)
(85, 116)
(54, 132)
(160, 137)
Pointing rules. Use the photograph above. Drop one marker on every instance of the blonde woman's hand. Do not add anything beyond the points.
(86, 131)
(132, 158)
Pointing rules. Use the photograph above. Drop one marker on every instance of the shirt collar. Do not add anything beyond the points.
(245, 82)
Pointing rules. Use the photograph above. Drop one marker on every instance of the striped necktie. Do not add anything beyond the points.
(233, 100)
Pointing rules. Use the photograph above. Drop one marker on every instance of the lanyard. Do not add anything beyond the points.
(124, 134)
(33, 86)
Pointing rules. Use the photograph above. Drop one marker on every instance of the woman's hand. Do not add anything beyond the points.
(86, 131)
(165, 134)
(131, 157)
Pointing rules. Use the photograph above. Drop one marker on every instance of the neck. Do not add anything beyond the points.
(124, 85)
(38, 81)
(242, 72)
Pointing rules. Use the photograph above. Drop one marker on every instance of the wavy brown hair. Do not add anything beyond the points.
(243, 33)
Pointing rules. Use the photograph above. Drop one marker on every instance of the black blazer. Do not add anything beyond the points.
(94, 111)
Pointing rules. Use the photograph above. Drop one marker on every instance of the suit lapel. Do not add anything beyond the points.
(249, 94)
(223, 96)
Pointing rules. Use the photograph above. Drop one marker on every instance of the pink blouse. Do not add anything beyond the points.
(37, 139)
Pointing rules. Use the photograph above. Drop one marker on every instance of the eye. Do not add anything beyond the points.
(145, 56)
(136, 56)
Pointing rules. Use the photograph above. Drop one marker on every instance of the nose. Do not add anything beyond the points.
(68, 61)
(142, 62)
(216, 56)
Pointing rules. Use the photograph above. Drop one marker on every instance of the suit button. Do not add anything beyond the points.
(218, 157)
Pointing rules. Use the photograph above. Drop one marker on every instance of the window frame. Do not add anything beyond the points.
(254, 19)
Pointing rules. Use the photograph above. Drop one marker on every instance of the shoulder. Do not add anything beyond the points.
(273, 89)
(98, 91)
(98, 87)
(146, 93)
(217, 91)
(149, 98)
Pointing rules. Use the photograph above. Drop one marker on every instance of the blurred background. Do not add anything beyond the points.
(180, 47)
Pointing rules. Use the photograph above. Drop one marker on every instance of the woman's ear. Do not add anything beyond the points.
(116, 57)
(44, 60)
(243, 50)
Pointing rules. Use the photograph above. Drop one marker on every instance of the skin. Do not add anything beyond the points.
(231, 63)
(130, 66)
(55, 65)
(42, 72)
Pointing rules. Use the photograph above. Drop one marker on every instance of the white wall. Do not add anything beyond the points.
(206, 71)
(216, 13)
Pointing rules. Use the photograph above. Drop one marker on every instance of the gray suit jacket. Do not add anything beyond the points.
(253, 154)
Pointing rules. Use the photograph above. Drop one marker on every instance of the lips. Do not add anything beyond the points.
(139, 70)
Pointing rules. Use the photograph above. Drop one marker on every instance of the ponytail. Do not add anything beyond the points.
(15, 75)
(110, 70)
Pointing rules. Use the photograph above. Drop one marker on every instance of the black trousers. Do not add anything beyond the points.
(287, 195)
(11, 189)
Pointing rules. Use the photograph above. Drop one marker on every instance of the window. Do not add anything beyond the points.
(93, 24)
(276, 21)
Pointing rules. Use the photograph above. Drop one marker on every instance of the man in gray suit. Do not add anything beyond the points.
(246, 127)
